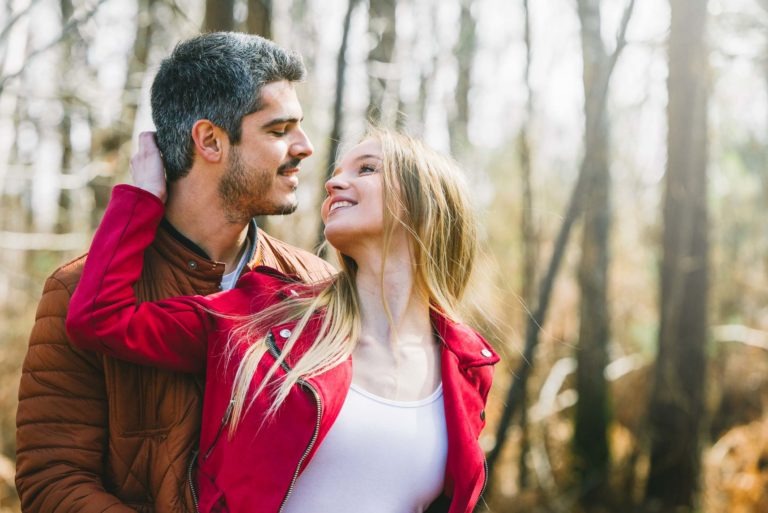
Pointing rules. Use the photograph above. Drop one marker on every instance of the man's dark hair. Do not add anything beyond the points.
(216, 76)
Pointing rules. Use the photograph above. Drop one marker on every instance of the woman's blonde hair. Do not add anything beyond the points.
(424, 195)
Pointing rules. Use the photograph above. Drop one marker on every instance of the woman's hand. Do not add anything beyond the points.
(147, 166)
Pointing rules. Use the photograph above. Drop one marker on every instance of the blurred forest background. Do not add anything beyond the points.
(616, 151)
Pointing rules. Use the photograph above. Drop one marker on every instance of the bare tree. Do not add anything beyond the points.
(383, 31)
(516, 392)
(677, 398)
(72, 24)
(219, 15)
(527, 224)
(465, 54)
(590, 439)
(338, 118)
(110, 143)
(259, 20)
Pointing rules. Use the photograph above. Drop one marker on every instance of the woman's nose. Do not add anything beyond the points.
(335, 183)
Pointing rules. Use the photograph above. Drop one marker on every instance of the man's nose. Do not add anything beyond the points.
(302, 148)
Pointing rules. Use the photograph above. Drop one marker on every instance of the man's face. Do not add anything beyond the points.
(262, 173)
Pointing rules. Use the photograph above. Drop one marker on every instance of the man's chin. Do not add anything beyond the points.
(286, 209)
(281, 209)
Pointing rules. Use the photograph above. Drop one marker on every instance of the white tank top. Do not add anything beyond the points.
(380, 456)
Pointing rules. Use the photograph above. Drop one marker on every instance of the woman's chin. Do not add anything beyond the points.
(339, 241)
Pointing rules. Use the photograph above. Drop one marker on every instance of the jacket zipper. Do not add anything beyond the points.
(191, 466)
(224, 420)
(191, 481)
(485, 480)
(273, 349)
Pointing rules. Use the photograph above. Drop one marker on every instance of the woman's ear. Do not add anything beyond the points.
(209, 140)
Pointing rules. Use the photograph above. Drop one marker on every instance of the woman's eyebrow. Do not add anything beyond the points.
(337, 169)
(367, 156)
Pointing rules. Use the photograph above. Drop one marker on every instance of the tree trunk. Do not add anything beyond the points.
(137, 66)
(219, 15)
(259, 20)
(303, 29)
(517, 389)
(338, 111)
(426, 81)
(465, 54)
(66, 93)
(677, 399)
(590, 440)
(382, 29)
(112, 142)
(527, 227)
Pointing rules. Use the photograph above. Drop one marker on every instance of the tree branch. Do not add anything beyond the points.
(68, 27)
(12, 21)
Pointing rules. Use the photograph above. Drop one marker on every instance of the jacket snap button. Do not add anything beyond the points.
(285, 333)
(192, 264)
(482, 415)
(486, 353)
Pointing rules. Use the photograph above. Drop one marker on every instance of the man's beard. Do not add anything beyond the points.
(245, 193)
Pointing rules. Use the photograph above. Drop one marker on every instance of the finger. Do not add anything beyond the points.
(147, 142)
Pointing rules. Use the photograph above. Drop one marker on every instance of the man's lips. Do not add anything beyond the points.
(289, 168)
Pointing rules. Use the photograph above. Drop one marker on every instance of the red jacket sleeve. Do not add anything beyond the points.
(103, 313)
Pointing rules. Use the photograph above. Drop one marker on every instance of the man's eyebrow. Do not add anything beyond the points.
(282, 121)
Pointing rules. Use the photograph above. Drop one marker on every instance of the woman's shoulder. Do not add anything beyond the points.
(463, 340)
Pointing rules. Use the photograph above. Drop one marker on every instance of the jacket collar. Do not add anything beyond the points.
(470, 348)
(183, 254)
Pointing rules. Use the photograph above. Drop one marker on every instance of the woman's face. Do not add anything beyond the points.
(353, 212)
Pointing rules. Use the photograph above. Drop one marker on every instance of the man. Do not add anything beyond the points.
(99, 435)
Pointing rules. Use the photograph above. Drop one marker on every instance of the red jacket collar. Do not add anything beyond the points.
(469, 347)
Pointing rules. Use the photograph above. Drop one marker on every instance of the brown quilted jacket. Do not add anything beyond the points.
(96, 434)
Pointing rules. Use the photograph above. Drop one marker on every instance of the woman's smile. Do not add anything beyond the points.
(340, 203)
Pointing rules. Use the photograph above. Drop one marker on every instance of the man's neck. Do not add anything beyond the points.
(199, 216)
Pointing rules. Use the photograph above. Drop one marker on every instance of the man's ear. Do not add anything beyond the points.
(210, 141)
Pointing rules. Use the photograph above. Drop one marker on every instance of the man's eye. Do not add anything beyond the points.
(278, 133)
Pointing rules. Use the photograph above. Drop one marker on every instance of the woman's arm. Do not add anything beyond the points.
(103, 313)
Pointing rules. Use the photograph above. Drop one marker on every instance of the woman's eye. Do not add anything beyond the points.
(367, 169)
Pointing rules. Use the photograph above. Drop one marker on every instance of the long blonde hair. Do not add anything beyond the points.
(425, 195)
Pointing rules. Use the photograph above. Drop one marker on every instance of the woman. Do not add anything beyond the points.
(361, 394)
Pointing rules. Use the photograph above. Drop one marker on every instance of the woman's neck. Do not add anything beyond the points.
(396, 356)
(391, 290)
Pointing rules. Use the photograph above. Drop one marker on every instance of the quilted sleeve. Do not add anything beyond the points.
(61, 422)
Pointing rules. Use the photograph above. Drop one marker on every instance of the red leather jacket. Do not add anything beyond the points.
(254, 470)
